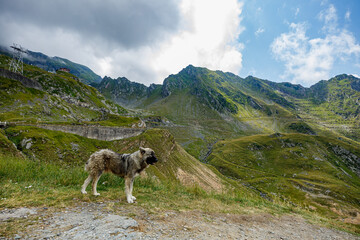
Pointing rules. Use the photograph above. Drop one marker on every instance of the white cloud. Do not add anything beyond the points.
(324, 2)
(126, 23)
(205, 35)
(330, 18)
(202, 40)
(297, 11)
(310, 60)
(208, 38)
(259, 31)
(347, 15)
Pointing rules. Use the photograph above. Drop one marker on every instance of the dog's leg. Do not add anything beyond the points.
(127, 190)
(131, 189)
(94, 184)
(86, 183)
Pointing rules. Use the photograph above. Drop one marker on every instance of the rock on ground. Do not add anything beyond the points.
(107, 221)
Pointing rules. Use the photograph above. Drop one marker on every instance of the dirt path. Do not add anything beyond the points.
(104, 221)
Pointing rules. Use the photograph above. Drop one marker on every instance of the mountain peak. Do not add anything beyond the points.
(344, 76)
(190, 66)
(190, 70)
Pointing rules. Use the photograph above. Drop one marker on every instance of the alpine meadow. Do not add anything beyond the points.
(238, 157)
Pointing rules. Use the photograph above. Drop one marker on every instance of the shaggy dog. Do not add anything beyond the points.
(127, 166)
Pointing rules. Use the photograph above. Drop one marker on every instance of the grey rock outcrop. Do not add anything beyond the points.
(96, 132)
(27, 82)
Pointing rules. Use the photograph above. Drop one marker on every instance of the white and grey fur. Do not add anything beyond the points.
(127, 166)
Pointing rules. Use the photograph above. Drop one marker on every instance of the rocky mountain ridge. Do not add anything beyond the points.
(235, 100)
(41, 96)
(52, 64)
(198, 78)
(124, 92)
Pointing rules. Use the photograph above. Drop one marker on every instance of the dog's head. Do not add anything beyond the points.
(148, 155)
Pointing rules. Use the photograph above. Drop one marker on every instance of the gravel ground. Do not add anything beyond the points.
(104, 221)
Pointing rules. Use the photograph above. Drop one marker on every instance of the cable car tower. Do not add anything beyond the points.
(16, 64)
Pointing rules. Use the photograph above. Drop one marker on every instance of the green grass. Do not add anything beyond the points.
(56, 176)
(116, 121)
(331, 107)
(6, 146)
(52, 180)
(298, 172)
(28, 183)
(307, 171)
(63, 98)
(53, 146)
(207, 106)
(73, 150)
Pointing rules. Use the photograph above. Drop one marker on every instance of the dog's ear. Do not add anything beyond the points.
(142, 151)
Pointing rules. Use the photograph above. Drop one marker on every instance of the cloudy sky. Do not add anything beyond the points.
(295, 41)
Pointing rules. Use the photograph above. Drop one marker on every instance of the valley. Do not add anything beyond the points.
(240, 143)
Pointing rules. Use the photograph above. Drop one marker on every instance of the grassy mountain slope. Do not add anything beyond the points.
(72, 150)
(315, 187)
(224, 92)
(51, 64)
(309, 170)
(60, 98)
(330, 105)
(316, 172)
(210, 105)
(206, 106)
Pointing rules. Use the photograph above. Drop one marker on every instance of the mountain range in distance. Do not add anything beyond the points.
(52, 64)
(277, 141)
(205, 106)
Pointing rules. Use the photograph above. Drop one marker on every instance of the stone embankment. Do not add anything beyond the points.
(93, 132)
(96, 132)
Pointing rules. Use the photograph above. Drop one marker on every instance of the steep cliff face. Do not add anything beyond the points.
(124, 92)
